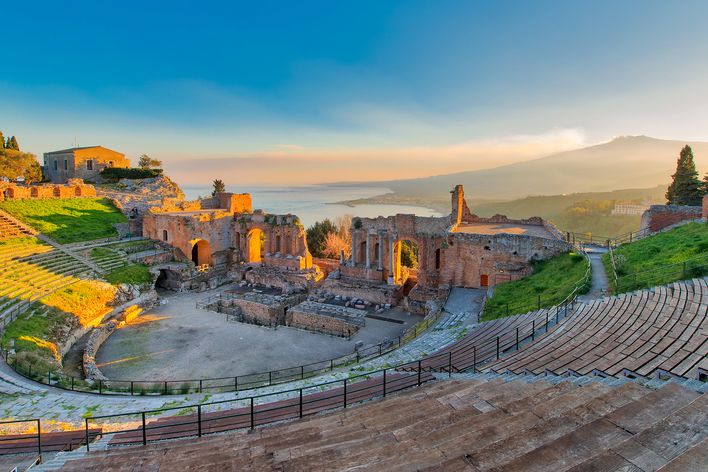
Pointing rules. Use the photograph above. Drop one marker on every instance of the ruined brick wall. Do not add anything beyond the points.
(259, 313)
(11, 191)
(298, 318)
(472, 260)
(658, 217)
(705, 207)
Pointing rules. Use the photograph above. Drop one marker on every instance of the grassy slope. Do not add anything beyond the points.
(135, 274)
(685, 243)
(68, 220)
(553, 280)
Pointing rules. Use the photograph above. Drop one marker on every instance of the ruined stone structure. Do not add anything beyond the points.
(459, 250)
(225, 231)
(658, 217)
(81, 162)
(74, 188)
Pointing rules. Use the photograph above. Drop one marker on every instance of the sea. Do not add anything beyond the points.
(314, 203)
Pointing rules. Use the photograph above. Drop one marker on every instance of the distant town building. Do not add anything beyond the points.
(81, 163)
(629, 209)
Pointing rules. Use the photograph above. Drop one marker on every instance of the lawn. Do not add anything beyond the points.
(660, 259)
(134, 274)
(552, 280)
(68, 220)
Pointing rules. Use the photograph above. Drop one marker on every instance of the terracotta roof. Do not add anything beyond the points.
(79, 148)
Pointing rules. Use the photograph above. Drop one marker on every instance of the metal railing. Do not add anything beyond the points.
(688, 269)
(214, 384)
(247, 413)
(28, 442)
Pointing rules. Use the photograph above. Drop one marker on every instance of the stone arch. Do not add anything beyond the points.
(438, 258)
(34, 192)
(57, 191)
(8, 193)
(255, 240)
(398, 264)
(201, 252)
(77, 191)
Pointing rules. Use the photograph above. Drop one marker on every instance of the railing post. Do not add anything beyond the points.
(270, 377)
(199, 421)
(533, 330)
(419, 369)
(49, 377)
(39, 439)
(556, 315)
(449, 364)
(507, 309)
(87, 434)
(517, 338)
(539, 301)
(131, 388)
(384, 383)
(497, 347)
(345, 393)
(144, 430)
(300, 403)
(72, 382)
(474, 359)
(100, 386)
(546, 321)
(302, 371)
(252, 418)
(200, 386)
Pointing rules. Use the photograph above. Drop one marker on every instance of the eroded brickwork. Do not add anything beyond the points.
(658, 217)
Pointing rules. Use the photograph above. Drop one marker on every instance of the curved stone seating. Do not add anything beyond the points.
(657, 331)
(484, 423)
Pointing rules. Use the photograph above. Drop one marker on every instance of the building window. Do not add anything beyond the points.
(56, 165)
(89, 164)
(66, 164)
(164, 235)
(110, 163)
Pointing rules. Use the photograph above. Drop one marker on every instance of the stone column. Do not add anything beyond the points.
(380, 254)
(391, 271)
(353, 261)
(341, 257)
(368, 250)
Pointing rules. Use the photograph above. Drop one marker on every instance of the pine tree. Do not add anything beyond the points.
(219, 187)
(686, 188)
(12, 144)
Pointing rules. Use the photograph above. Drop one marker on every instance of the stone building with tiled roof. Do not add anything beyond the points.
(81, 162)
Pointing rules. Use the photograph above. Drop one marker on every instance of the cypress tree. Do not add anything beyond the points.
(2, 141)
(685, 188)
(12, 144)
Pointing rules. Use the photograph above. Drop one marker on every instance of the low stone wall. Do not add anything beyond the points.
(257, 308)
(376, 293)
(658, 217)
(325, 318)
(279, 278)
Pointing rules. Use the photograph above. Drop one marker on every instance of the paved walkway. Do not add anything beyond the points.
(599, 287)
(63, 409)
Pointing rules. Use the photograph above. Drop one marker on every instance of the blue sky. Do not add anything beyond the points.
(328, 85)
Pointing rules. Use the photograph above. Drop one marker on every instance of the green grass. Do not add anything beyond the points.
(659, 259)
(68, 220)
(552, 280)
(134, 274)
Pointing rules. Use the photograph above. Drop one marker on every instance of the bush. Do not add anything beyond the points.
(117, 173)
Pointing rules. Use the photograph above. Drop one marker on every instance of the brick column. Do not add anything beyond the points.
(380, 253)
(368, 250)
(353, 260)
(391, 240)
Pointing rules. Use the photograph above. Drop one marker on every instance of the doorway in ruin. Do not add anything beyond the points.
(255, 240)
(405, 260)
(484, 280)
(201, 253)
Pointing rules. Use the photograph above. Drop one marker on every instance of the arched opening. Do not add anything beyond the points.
(57, 191)
(201, 253)
(8, 194)
(376, 253)
(77, 191)
(437, 259)
(484, 280)
(277, 244)
(256, 238)
(362, 252)
(34, 192)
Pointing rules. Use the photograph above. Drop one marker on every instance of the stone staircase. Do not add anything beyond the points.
(11, 227)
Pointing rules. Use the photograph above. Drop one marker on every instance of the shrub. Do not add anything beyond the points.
(117, 173)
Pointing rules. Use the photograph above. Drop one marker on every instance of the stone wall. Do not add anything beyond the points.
(11, 191)
(658, 217)
(325, 318)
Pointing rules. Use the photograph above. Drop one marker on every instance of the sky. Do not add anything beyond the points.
(273, 93)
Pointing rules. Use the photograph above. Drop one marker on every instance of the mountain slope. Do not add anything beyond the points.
(634, 161)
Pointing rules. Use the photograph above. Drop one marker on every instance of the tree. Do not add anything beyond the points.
(409, 256)
(2, 141)
(334, 244)
(219, 187)
(316, 235)
(147, 162)
(14, 164)
(12, 144)
(685, 189)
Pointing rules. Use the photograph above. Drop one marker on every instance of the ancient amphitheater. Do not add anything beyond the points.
(591, 381)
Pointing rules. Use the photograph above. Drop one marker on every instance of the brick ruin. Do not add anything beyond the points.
(74, 188)
(225, 232)
(461, 249)
(659, 217)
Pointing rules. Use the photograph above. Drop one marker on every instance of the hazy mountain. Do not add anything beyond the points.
(632, 161)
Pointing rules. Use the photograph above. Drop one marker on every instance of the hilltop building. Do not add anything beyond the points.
(81, 163)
